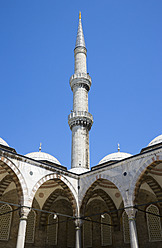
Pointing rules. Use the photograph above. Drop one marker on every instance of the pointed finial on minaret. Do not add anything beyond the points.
(40, 147)
(80, 36)
(79, 15)
(118, 147)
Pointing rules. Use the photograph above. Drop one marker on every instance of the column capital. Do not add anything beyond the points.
(24, 211)
(78, 223)
(131, 212)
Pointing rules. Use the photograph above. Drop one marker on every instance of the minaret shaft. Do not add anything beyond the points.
(80, 99)
(80, 120)
(80, 147)
(80, 62)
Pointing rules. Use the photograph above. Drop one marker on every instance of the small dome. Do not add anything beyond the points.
(114, 157)
(2, 142)
(155, 141)
(42, 156)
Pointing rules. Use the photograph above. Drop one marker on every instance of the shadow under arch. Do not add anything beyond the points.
(52, 197)
(106, 198)
(15, 176)
(64, 183)
(153, 184)
(142, 171)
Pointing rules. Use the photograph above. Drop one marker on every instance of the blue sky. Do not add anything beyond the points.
(123, 39)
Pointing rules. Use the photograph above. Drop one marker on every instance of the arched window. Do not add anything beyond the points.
(52, 229)
(153, 223)
(87, 233)
(5, 222)
(126, 228)
(30, 229)
(70, 233)
(106, 234)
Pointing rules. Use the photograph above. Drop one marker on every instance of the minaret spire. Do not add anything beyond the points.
(80, 120)
(80, 42)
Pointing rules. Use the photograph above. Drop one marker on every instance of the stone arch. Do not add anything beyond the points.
(5, 182)
(109, 202)
(148, 164)
(64, 183)
(156, 188)
(91, 184)
(52, 197)
(16, 176)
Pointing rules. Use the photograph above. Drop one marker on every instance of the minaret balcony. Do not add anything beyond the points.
(80, 118)
(81, 79)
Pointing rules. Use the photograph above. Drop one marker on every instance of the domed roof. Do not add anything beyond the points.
(2, 142)
(155, 141)
(116, 156)
(42, 156)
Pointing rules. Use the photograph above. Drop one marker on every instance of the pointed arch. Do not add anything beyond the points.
(156, 188)
(52, 197)
(146, 166)
(16, 176)
(91, 182)
(64, 183)
(109, 202)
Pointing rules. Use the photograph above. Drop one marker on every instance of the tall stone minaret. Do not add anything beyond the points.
(80, 120)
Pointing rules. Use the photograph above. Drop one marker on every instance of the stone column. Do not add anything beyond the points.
(78, 224)
(22, 227)
(131, 212)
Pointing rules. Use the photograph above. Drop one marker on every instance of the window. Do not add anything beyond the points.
(126, 227)
(106, 234)
(70, 233)
(87, 233)
(30, 229)
(52, 229)
(5, 222)
(153, 224)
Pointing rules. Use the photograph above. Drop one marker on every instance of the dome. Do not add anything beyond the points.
(42, 156)
(114, 157)
(155, 141)
(2, 142)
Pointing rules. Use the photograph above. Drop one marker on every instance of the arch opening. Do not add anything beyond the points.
(148, 190)
(102, 199)
(54, 196)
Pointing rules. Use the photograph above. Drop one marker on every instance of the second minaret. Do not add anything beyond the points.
(80, 120)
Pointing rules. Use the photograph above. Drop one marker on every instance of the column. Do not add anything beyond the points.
(131, 212)
(78, 224)
(22, 227)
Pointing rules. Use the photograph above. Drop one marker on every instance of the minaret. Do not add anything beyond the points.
(80, 120)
